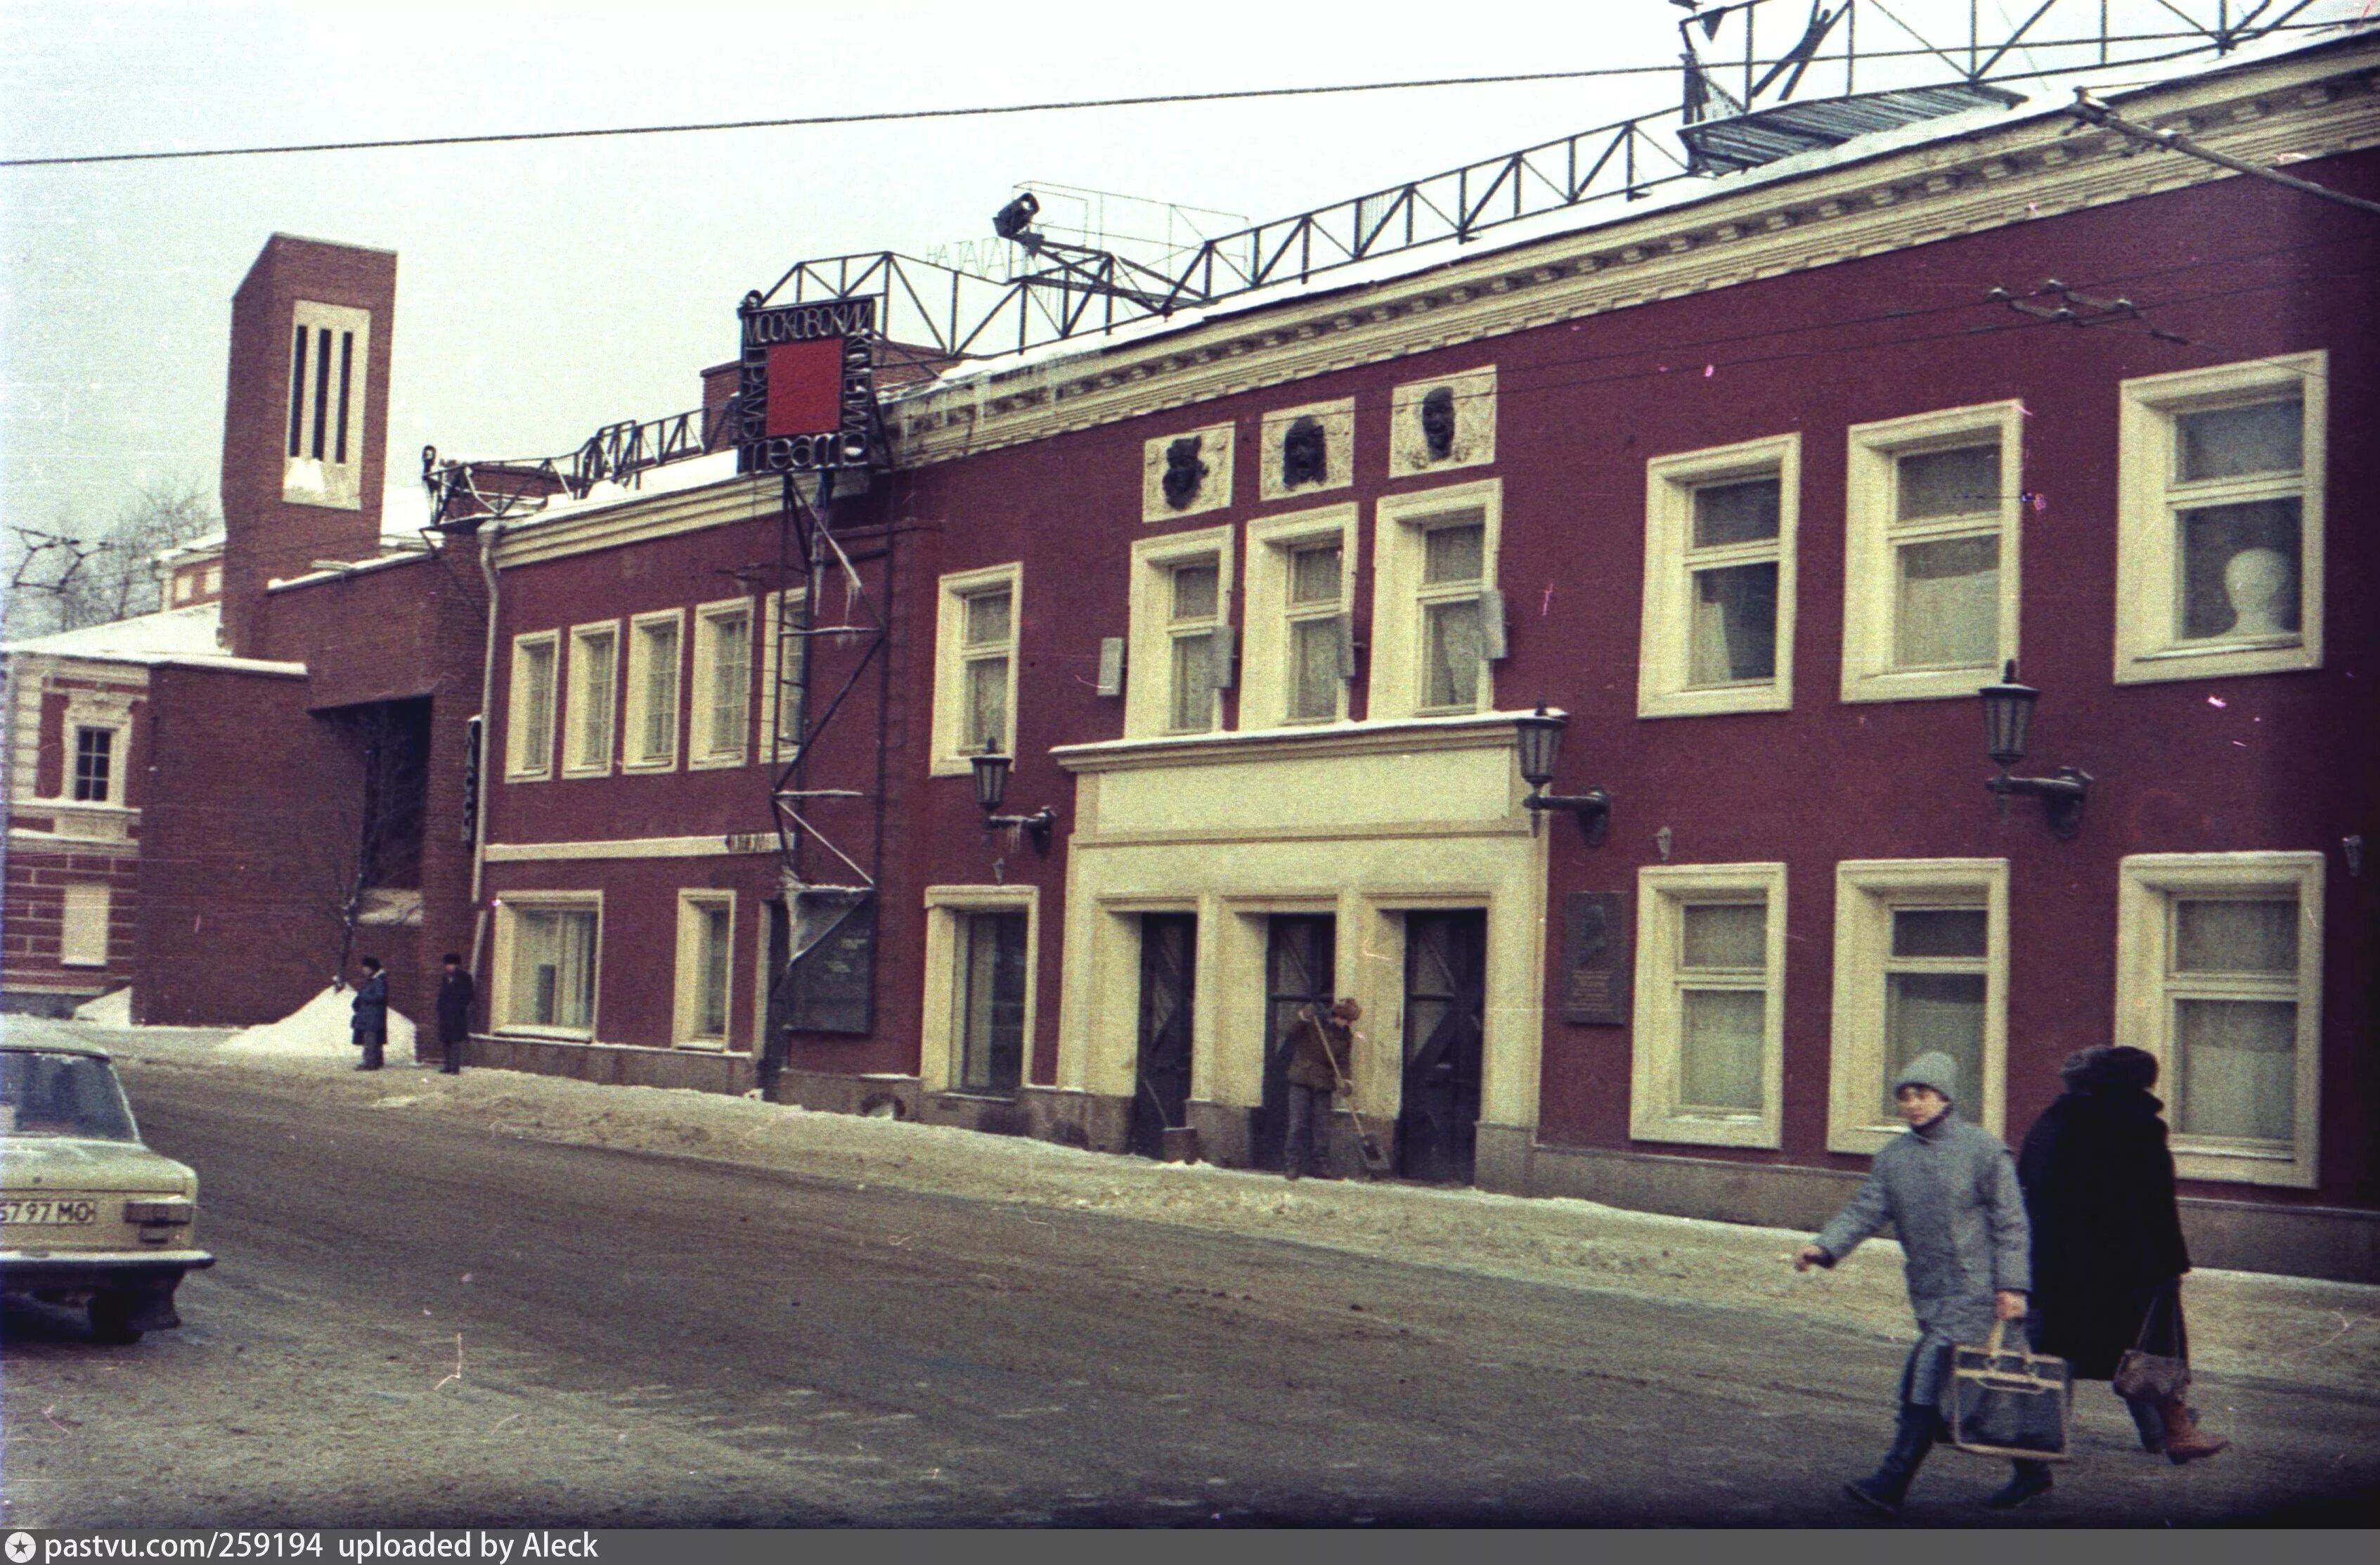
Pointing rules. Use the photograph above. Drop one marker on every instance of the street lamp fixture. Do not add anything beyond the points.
(991, 786)
(1540, 734)
(2008, 720)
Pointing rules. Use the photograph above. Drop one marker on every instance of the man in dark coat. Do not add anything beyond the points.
(2108, 1252)
(371, 1014)
(456, 992)
(1321, 1056)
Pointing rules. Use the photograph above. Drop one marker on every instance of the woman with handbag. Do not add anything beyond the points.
(2108, 1252)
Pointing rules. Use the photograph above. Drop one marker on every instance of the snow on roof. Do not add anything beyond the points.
(414, 551)
(191, 548)
(144, 638)
(696, 472)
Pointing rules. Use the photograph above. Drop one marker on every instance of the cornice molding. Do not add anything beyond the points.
(1995, 177)
(637, 520)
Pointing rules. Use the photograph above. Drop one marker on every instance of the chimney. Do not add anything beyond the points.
(305, 421)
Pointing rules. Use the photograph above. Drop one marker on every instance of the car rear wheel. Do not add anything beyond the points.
(110, 1319)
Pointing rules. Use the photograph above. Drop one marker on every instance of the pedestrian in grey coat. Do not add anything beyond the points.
(1948, 1189)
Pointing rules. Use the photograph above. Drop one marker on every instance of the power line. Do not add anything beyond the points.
(988, 110)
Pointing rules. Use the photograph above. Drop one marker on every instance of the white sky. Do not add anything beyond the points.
(546, 289)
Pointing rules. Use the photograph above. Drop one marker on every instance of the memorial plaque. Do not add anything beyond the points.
(1596, 974)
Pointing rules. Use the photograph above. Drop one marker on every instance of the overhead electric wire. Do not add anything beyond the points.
(1065, 106)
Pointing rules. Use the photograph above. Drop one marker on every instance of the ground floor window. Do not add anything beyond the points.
(2220, 975)
(1710, 981)
(706, 927)
(552, 978)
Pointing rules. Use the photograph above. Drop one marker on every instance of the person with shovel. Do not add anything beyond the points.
(1321, 1056)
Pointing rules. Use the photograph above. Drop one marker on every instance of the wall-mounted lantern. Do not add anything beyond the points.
(1540, 747)
(2008, 719)
(991, 786)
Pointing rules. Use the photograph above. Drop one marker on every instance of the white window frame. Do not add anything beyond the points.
(1868, 892)
(2147, 555)
(938, 1061)
(1665, 644)
(1653, 1112)
(118, 742)
(520, 763)
(1873, 534)
(307, 480)
(2146, 886)
(702, 709)
(952, 744)
(686, 1020)
(83, 909)
(636, 699)
(1402, 524)
(576, 760)
(1148, 677)
(1264, 681)
(510, 905)
(776, 744)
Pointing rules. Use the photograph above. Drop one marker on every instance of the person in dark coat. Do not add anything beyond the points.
(371, 1014)
(2108, 1252)
(1321, 1056)
(1948, 1190)
(456, 992)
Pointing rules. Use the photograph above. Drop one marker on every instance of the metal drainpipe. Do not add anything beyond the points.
(495, 533)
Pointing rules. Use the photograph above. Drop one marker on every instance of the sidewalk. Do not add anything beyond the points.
(2301, 1331)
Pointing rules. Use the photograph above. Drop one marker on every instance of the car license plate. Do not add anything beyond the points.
(49, 1213)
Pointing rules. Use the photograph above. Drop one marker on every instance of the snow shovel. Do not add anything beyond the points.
(1375, 1162)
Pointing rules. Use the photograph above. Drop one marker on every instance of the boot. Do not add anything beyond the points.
(1912, 1438)
(2184, 1440)
(2149, 1422)
(2031, 1480)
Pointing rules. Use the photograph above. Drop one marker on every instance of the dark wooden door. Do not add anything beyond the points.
(775, 1044)
(1301, 958)
(1446, 972)
(1169, 966)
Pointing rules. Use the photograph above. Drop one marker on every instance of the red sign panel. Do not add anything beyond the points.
(806, 386)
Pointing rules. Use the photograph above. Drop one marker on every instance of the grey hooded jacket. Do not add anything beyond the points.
(1949, 1191)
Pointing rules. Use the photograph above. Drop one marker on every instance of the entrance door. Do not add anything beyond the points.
(1168, 964)
(1446, 972)
(1301, 958)
(776, 1045)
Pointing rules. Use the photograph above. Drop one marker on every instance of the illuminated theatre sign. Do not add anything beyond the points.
(808, 385)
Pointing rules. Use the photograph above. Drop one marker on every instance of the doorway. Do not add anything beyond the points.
(1446, 973)
(776, 1020)
(1169, 966)
(1301, 964)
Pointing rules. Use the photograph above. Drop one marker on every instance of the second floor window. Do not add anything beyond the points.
(1451, 573)
(94, 766)
(723, 691)
(531, 719)
(1719, 587)
(1196, 600)
(653, 691)
(984, 651)
(1316, 634)
(594, 676)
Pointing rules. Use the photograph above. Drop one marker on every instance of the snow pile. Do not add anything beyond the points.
(323, 1028)
(111, 1009)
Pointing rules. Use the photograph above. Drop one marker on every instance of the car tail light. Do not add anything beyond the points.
(172, 1212)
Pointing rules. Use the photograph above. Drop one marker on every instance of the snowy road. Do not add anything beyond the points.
(425, 1319)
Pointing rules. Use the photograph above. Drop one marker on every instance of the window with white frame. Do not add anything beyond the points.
(1181, 632)
(1300, 636)
(975, 666)
(591, 704)
(549, 964)
(214, 580)
(979, 987)
(2220, 520)
(1921, 966)
(651, 725)
(2220, 975)
(720, 730)
(529, 719)
(330, 357)
(784, 654)
(1438, 620)
(97, 778)
(1930, 584)
(82, 932)
(706, 943)
(1717, 632)
(1710, 988)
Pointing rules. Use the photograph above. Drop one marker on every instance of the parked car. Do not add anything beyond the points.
(89, 1217)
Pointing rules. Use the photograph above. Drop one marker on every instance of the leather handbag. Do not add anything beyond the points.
(2142, 1375)
(2008, 1401)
